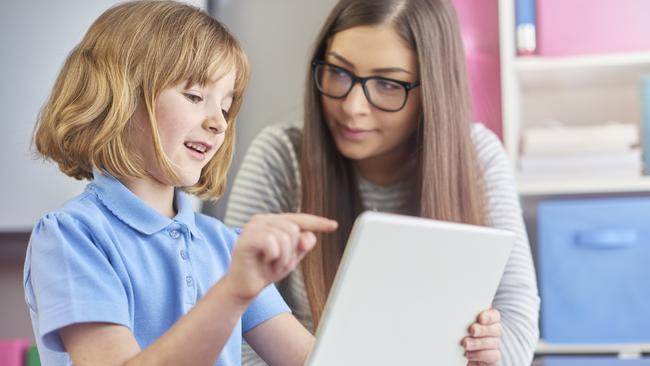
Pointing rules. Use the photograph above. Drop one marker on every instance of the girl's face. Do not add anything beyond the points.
(362, 131)
(191, 124)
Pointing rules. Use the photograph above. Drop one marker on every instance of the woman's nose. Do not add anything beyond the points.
(355, 102)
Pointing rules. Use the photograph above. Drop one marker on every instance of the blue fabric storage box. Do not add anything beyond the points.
(594, 270)
(592, 361)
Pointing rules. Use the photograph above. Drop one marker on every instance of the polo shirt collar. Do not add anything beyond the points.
(136, 213)
(185, 214)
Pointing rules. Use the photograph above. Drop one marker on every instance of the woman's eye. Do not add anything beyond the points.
(193, 98)
(340, 73)
(337, 73)
(388, 85)
(225, 114)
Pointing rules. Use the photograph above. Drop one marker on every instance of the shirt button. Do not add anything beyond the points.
(189, 281)
(175, 234)
(183, 254)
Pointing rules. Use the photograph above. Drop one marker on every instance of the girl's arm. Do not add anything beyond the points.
(284, 332)
(268, 182)
(196, 339)
(270, 246)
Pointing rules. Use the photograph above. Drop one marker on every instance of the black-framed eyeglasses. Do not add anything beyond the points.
(386, 94)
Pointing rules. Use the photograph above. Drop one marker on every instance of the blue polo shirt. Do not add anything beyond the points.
(107, 256)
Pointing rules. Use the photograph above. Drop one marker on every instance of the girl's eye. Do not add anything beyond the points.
(225, 114)
(193, 98)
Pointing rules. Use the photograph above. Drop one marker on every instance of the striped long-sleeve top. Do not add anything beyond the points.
(269, 182)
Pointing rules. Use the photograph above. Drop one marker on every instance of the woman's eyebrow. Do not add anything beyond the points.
(341, 59)
(379, 70)
(391, 69)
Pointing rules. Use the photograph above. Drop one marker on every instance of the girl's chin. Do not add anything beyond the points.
(188, 180)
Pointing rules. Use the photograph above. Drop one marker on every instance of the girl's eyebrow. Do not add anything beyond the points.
(379, 70)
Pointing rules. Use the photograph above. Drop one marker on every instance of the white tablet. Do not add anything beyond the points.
(407, 290)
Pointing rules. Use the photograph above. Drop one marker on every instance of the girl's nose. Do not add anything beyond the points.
(216, 123)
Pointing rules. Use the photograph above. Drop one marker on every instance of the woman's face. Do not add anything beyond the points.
(360, 129)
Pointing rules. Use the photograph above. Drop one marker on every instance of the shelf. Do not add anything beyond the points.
(624, 350)
(596, 70)
(539, 63)
(577, 186)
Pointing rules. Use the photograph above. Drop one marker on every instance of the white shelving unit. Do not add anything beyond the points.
(586, 186)
(583, 72)
(628, 350)
(581, 90)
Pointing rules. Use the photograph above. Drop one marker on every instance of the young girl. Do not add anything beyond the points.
(387, 127)
(126, 272)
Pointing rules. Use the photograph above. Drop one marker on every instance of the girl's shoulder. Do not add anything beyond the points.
(81, 216)
(83, 207)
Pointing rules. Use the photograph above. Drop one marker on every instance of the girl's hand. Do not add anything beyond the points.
(269, 247)
(482, 344)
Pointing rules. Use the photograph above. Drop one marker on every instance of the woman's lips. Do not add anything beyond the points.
(354, 134)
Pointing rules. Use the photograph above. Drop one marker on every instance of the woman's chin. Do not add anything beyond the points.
(354, 152)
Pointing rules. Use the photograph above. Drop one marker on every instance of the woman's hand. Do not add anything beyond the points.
(482, 344)
(269, 247)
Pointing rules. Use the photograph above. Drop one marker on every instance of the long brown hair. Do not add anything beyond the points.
(128, 56)
(448, 179)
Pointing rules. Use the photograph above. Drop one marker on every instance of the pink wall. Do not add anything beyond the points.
(584, 27)
(480, 28)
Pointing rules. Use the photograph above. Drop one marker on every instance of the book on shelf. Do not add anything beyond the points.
(526, 34)
(555, 138)
(608, 165)
(31, 357)
(13, 352)
(560, 151)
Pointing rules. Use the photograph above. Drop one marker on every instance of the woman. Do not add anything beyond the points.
(387, 127)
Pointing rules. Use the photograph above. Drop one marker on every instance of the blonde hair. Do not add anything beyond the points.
(129, 55)
(448, 178)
